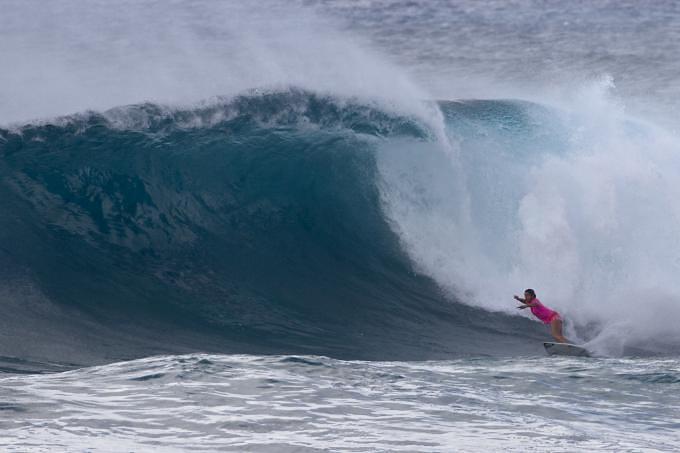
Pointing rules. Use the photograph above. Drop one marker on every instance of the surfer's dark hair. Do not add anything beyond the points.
(530, 291)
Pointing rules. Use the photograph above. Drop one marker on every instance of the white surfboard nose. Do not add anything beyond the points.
(565, 349)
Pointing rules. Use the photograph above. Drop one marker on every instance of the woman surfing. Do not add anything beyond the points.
(543, 313)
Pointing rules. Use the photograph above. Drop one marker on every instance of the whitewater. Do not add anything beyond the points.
(298, 226)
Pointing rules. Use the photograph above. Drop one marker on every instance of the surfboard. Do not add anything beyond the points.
(565, 349)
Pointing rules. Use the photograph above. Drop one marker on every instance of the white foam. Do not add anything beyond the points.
(593, 227)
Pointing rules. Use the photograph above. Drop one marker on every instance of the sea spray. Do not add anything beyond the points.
(584, 211)
(181, 54)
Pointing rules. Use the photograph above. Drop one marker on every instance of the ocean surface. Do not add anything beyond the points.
(276, 403)
(298, 226)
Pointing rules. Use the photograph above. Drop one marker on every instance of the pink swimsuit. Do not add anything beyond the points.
(543, 313)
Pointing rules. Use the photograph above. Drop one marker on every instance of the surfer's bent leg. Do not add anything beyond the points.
(556, 327)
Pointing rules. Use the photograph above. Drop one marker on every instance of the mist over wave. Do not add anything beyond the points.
(101, 55)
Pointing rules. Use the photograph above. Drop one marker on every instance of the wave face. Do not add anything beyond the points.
(294, 222)
(248, 224)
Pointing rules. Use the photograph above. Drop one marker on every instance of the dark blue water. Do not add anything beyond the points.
(251, 225)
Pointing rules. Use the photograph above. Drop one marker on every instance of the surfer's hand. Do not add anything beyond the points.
(518, 298)
(522, 307)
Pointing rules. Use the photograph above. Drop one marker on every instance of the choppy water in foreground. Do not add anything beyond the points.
(312, 403)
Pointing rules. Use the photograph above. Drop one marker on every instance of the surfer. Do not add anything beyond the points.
(543, 313)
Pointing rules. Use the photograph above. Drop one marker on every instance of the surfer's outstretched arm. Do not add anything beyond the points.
(524, 303)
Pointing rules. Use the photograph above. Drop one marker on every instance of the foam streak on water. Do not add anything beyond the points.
(311, 403)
